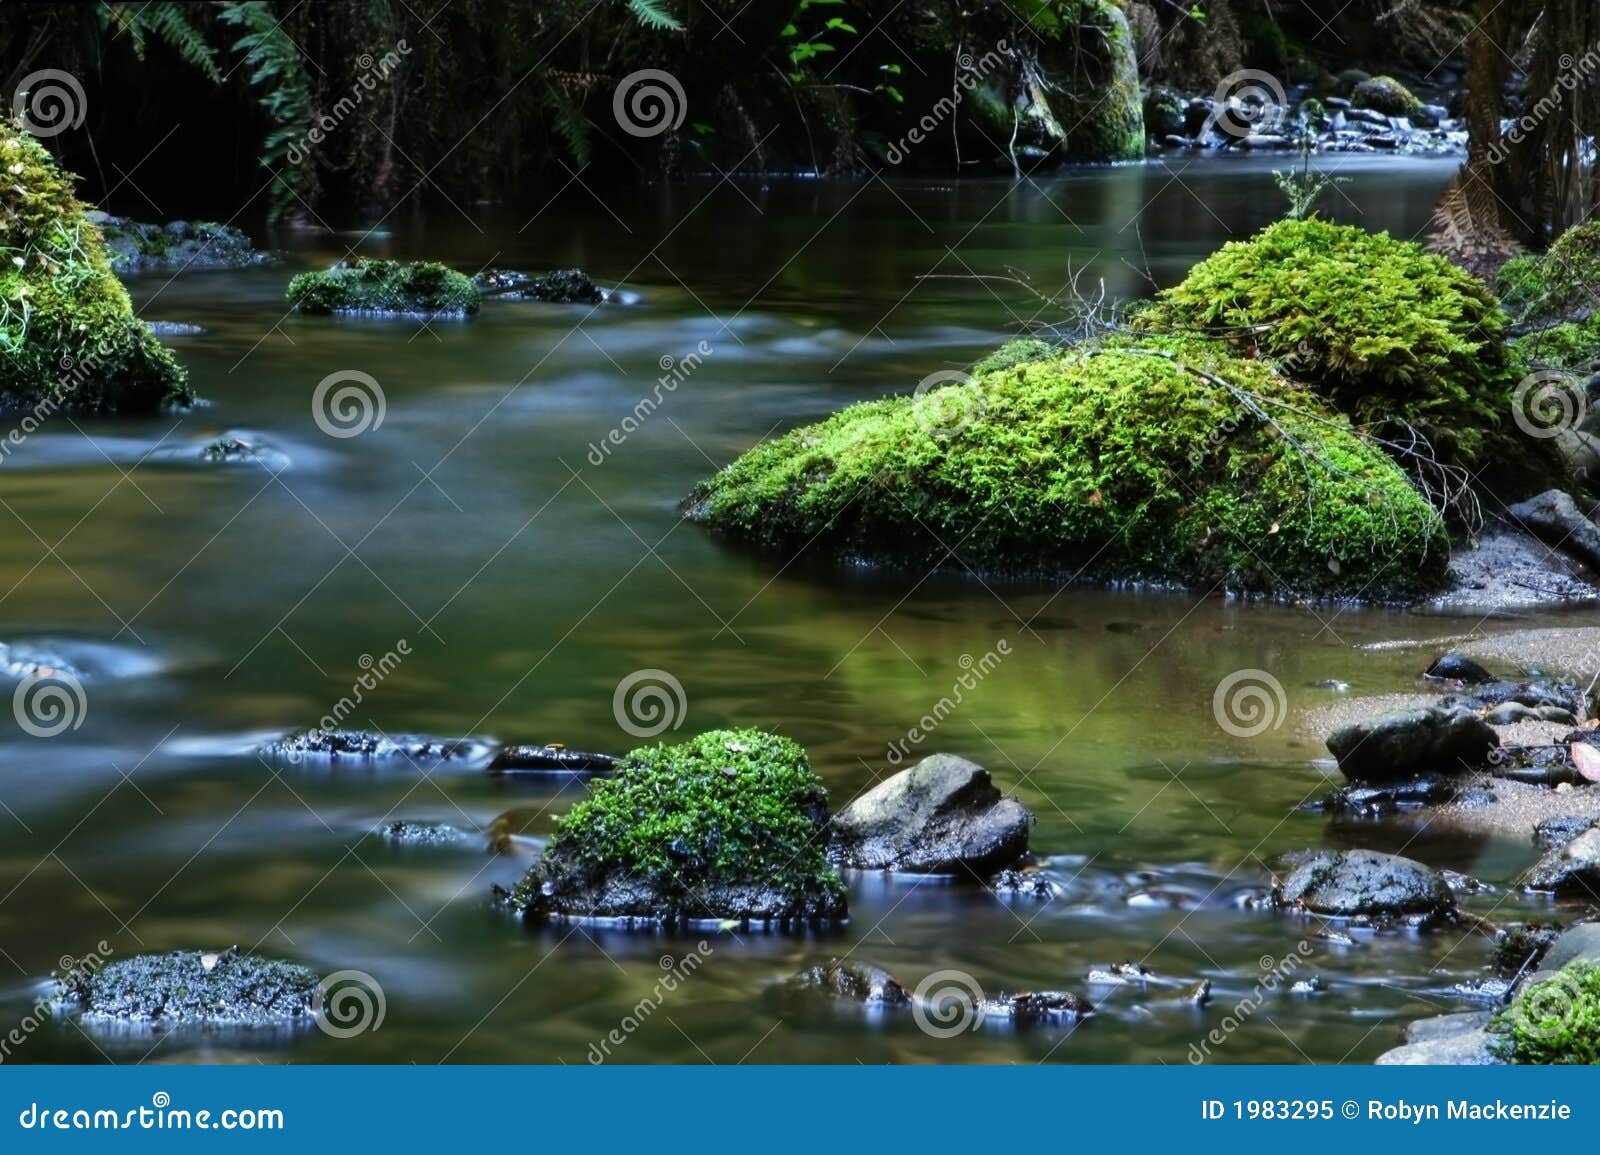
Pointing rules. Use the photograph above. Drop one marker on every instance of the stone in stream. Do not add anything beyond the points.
(552, 759)
(1570, 869)
(1388, 797)
(1445, 1040)
(859, 982)
(1554, 518)
(1579, 943)
(564, 286)
(421, 750)
(1398, 744)
(1457, 668)
(196, 987)
(409, 833)
(1357, 883)
(1037, 1008)
(1518, 948)
(942, 816)
(1554, 833)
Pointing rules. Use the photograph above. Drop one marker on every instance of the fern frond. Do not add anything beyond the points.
(653, 14)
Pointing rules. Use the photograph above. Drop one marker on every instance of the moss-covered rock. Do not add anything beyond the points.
(224, 987)
(1387, 333)
(1019, 351)
(1385, 94)
(1555, 1020)
(178, 246)
(386, 288)
(728, 825)
(1104, 462)
(68, 335)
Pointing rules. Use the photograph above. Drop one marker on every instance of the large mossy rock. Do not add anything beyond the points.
(728, 825)
(1104, 463)
(1390, 335)
(195, 987)
(68, 335)
(386, 289)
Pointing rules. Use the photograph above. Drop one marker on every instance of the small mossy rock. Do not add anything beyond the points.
(1554, 518)
(564, 286)
(386, 288)
(1163, 114)
(178, 246)
(1385, 94)
(1397, 745)
(1457, 668)
(68, 336)
(1518, 948)
(728, 825)
(1018, 351)
(1558, 285)
(1355, 883)
(860, 982)
(1102, 463)
(1570, 869)
(223, 988)
(942, 816)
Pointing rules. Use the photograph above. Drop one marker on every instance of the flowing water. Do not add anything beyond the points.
(484, 528)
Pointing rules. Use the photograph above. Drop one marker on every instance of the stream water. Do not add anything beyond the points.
(527, 574)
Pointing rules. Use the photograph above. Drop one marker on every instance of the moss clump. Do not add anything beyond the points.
(1387, 333)
(726, 825)
(1555, 297)
(1554, 1021)
(188, 986)
(1520, 947)
(1385, 94)
(1019, 351)
(1100, 463)
(68, 335)
(422, 288)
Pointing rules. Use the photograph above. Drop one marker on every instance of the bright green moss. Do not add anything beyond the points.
(1387, 95)
(1101, 463)
(68, 334)
(375, 286)
(725, 810)
(1018, 351)
(1554, 1021)
(1387, 333)
(1569, 345)
(1563, 284)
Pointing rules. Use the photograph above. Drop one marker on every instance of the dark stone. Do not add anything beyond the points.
(550, 759)
(1389, 797)
(1348, 883)
(1031, 883)
(1037, 1008)
(1458, 668)
(942, 816)
(1518, 948)
(140, 247)
(1554, 518)
(1399, 744)
(196, 987)
(564, 286)
(1571, 869)
(857, 981)
(1445, 1040)
(421, 834)
(1554, 833)
(364, 746)
(1577, 943)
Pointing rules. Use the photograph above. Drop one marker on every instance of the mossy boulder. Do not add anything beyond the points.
(1385, 94)
(1103, 462)
(1554, 298)
(1554, 1020)
(386, 288)
(196, 987)
(68, 335)
(178, 246)
(1390, 335)
(728, 825)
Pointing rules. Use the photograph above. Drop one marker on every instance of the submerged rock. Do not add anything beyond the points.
(942, 816)
(1458, 668)
(365, 746)
(1389, 797)
(1571, 869)
(1037, 1008)
(1352, 883)
(729, 825)
(859, 982)
(406, 833)
(550, 759)
(419, 289)
(564, 286)
(1399, 744)
(198, 987)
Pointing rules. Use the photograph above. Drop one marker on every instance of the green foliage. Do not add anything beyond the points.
(1302, 187)
(1106, 462)
(1554, 1021)
(278, 71)
(168, 23)
(1018, 351)
(654, 14)
(363, 285)
(67, 329)
(1564, 283)
(724, 808)
(1386, 332)
(1385, 94)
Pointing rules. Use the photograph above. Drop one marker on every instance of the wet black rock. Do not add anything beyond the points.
(1535, 696)
(174, 328)
(405, 833)
(1518, 949)
(859, 982)
(198, 987)
(1554, 833)
(1389, 797)
(1555, 518)
(179, 246)
(1458, 668)
(1028, 883)
(364, 746)
(564, 286)
(550, 760)
(942, 816)
(1037, 1008)
(1571, 869)
(1397, 745)
(1351, 883)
